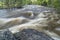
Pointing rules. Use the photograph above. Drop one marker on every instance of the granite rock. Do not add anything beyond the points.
(31, 34)
(6, 35)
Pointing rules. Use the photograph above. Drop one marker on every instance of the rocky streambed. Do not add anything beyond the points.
(32, 22)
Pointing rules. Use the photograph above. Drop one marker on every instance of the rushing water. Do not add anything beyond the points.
(5, 12)
(31, 16)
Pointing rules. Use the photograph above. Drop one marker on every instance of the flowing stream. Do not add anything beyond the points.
(31, 16)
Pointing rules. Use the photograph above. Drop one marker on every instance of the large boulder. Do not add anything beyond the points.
(26, 34)
(31, 34)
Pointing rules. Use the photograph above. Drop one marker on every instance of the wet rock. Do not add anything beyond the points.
(6, 35)
(31, 34)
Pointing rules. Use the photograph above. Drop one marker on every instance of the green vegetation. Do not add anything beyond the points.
(19, 3)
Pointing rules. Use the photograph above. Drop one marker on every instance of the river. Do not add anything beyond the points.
(5, 12)
(31, 16)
